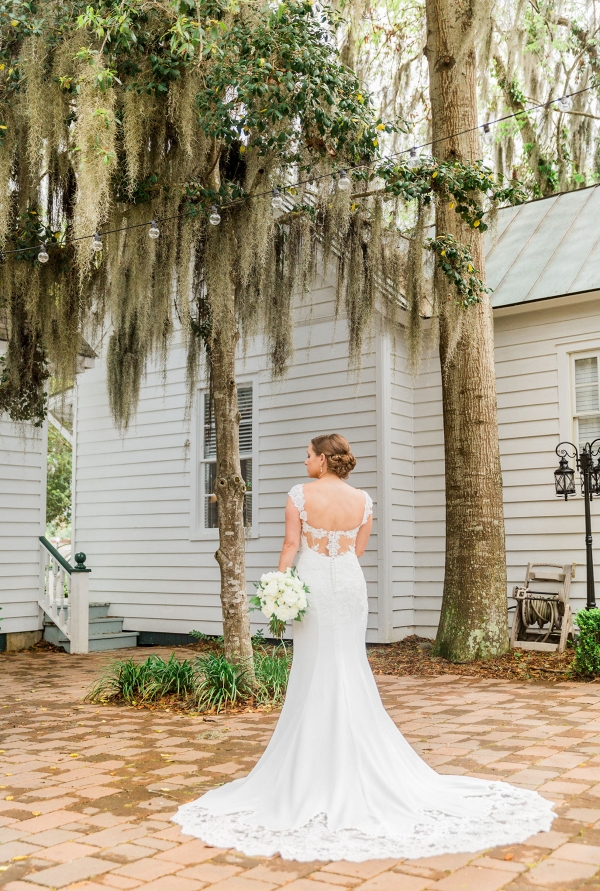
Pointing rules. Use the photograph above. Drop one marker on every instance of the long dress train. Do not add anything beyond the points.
(338, 781)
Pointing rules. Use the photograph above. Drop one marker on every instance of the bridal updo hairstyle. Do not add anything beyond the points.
(336, 449)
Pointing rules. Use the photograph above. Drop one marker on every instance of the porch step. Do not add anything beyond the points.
(106, 632)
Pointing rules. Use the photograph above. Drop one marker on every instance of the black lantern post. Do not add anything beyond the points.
(564, 483)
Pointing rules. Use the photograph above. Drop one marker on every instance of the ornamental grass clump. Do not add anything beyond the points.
(587, 650)
(220, 683)
(210, 683)
(272, 671)
(142, 682)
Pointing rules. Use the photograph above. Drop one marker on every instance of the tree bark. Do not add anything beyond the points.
(230, 491)
(473, 622)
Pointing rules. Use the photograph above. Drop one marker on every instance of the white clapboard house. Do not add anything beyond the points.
(142, 508)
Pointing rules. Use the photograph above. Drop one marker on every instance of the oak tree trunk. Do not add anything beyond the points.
(230, 491)
(473, 622)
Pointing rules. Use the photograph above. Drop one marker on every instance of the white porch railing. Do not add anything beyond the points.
(65, 594)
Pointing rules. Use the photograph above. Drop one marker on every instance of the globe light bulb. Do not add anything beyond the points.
(565, 103)
(215, 217)
(344, 182)
(413, 160)
(97, 242)
(487, 137)
(153, 231)
(43, 254)
(277, 200)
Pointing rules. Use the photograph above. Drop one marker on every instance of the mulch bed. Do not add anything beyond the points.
(412, 656)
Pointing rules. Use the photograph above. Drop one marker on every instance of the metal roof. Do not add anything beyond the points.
(546, 248)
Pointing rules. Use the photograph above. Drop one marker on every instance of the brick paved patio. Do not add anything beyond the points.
(86, 792)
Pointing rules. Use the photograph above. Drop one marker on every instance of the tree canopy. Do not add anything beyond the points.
(116, 113)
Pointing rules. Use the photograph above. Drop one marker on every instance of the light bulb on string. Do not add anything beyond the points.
(153, 231)
(344, 182)
(97, 242)
(487, 137)
(43, 256)
(565, 103)
(215, 217)
(277, 200)
(413, 160)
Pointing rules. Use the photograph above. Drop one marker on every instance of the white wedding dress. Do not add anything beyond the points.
(338, 781)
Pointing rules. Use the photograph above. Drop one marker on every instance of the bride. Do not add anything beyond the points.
(338, 781)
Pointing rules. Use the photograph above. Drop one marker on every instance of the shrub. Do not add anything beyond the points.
(587, 651)
(272, 672)
(211, 682)
(144, 681)
(219, 683)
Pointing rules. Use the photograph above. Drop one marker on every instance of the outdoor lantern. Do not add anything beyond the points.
(97, 242)
(564, 479)
(43, 256)
(153, 231)
(595, 479)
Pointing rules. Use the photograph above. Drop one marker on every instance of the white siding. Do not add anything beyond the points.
(22, 520)
(133, 492)
(399, 488)
(532, 420)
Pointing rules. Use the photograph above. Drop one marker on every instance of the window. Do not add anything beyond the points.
(587, 399)
(209, 516)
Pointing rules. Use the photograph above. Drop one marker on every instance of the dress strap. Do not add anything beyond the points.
(368, 508)
(296, 493)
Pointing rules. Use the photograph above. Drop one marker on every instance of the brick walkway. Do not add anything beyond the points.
(86, 792)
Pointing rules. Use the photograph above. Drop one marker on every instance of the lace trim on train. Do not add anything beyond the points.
(514, 816)
(333, 543)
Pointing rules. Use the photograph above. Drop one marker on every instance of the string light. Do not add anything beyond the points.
(487, 137)
(565, 103)
(344, 182)
(277, 200)
(153, 231)
(43, 254)
(215, 217)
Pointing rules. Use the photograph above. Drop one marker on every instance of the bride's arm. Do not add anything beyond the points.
(291, 542)
(363, 537)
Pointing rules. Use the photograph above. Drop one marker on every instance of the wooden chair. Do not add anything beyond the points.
(543, 616)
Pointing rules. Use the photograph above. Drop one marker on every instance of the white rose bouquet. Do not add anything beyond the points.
(281, 596)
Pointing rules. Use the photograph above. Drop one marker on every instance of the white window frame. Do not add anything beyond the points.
(567, 352)
(198, 531)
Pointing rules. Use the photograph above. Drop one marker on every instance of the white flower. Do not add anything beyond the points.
(284, 613)
(268, 606)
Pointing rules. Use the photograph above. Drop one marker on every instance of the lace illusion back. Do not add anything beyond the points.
(329, 543)
(338, 781)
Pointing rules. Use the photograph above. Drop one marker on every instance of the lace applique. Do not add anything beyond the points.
(333, 538)
(514, 815)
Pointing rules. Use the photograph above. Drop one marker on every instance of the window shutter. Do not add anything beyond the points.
(210, 441)
(587, 400)
(245, 407)
(586, 385)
